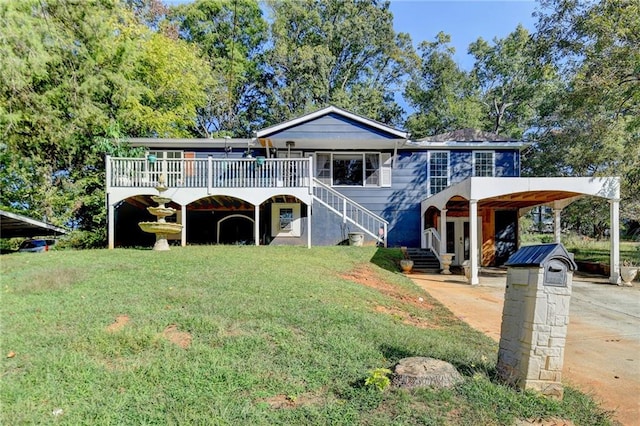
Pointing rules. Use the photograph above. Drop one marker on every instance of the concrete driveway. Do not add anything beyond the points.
(602, 354)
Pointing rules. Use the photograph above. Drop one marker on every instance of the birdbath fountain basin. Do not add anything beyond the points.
(161, 228)
(161, 212)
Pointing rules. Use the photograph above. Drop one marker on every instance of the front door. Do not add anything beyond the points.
(458, 241)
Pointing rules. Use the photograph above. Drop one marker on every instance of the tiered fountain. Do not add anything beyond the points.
(161, 227)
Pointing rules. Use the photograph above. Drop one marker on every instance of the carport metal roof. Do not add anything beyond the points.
(17, 225)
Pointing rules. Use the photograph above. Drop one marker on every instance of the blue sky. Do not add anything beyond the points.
(464, 21)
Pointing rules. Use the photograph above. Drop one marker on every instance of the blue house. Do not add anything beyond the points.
(316, 179)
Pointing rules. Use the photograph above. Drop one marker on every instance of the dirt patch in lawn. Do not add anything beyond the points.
(180, 338)
(545, 422)
(284, 401)
(118, 324)
(364, 275)
(406, 317)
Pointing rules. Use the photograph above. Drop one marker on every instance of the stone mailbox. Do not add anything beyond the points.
(535, 318)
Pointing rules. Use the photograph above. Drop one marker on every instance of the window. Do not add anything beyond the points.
(347, 169)
(370, 169)
(285, 220)
(438, 171)
(483, 164)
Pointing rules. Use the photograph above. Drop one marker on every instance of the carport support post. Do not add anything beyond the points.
(614, 258)
(473, 240)
(556, 225)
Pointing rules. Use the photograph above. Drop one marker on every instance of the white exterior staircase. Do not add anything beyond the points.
(351, 212)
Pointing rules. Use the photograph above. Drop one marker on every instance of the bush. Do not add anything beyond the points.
(84, 240)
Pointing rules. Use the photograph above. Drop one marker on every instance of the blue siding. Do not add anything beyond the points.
(507, 163)
(332, 126)
(460, 166)
(399, 204)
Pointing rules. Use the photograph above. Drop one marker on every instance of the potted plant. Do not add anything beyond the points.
(628, 271)
(406, 264)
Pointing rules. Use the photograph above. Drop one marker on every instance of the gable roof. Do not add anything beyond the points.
(332, 110)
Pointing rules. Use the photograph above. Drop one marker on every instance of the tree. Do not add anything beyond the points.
(231, 35)
(71, 73)
(335, 52)
(445, 97)
(511, 81)
(593, 129)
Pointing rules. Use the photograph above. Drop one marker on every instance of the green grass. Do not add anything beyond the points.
(588, 249)
(278, 335)
(599, 251)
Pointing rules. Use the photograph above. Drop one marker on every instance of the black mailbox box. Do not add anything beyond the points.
(553, 257)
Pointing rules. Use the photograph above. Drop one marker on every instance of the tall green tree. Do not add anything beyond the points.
(231, 35)
(444, 97)
(511, 80)
(72, 71)
(335, 52)
(593, 128)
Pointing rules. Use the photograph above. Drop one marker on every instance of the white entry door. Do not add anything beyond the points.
(458, 241)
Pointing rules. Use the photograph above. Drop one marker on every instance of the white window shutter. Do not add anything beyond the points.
(385, 169)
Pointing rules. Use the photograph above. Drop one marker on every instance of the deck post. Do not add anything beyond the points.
(108, 170)
(256, 224)
(183, 236)
(111, 225)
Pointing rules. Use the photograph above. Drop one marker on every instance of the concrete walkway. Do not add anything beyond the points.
(602, 354)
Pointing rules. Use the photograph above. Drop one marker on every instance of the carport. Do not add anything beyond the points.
(468, 197)
(14, 225)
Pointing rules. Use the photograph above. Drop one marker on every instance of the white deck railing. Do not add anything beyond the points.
(351, 212)
(432, 236)
(241, 173)
(208, 173)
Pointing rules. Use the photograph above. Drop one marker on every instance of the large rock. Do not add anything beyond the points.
(416, 372)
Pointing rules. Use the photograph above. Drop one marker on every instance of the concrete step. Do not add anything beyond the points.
(423, 260)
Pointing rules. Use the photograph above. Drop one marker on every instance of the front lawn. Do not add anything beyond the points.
(239, 335)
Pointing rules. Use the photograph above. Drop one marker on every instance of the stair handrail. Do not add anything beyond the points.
(433, 241)
(351, 211)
